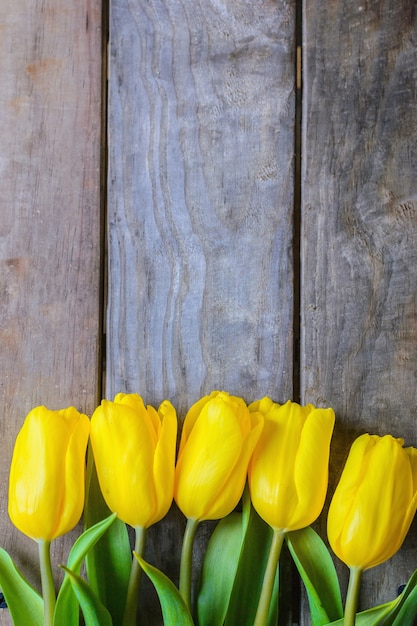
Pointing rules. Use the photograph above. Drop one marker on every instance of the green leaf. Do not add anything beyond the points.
(110, 561)
(66, 609)
(250, 574)
(370, 617)
(316, 568)
(404, 608)
(95, 613)
(399, 612)
(174, 610)
(219, 570)
(24, 603)
(407, 610)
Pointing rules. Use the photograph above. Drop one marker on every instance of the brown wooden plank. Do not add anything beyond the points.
(50, 103)
(201, 137)
(359, 261)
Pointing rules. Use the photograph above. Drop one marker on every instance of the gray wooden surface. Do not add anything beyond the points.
(201, 140)
(202, 258)
(359, 233)
(50, 66)
(200, 199)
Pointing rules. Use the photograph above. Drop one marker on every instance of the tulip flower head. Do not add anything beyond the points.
(134, 452)
(288, 473)
(218, 438)
(374, 502)
(47, 473)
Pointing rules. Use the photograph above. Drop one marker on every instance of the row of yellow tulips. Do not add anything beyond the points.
(282, 451)
(285, 447)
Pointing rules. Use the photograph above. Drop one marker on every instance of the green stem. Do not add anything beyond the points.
(47, 581)
(187, 560)
(269, 578)
(352, 596)
(131, 606)
(246, 506)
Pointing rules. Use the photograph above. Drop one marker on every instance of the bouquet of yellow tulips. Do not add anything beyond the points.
(271, 457)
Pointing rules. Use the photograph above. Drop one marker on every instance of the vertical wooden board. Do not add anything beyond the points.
(359, 231)
(201, 138)
(50, 102)
(200, 199)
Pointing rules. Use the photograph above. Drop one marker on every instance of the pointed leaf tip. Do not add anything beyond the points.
(174, 609)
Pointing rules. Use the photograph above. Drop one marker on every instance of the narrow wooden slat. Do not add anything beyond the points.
(50, 101)
(359, 276)
(201, 137)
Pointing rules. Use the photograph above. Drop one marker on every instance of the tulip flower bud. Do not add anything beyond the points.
(218, 437)
(134, 452)
(47, 473)
(374, 502)
(288, 473)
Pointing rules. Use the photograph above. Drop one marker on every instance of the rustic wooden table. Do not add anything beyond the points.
(219, 220)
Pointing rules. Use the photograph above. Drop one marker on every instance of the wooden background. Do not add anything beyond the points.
(50, 243)
(220, 244)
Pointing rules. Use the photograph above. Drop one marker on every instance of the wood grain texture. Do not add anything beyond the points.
(50, 102)
(201, 136)
(201, 119)
(359, 233)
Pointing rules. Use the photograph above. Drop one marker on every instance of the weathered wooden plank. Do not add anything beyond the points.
(200, 199)
(201, 137)
(359, 234)
(50, 102)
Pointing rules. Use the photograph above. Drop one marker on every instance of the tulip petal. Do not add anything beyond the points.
(288, 471)
(368, 517)
(192, 416)
(216, 444)
(263, 406)
(231, 491)
(412, 457)
(46, 484)
(123, 447)
(343, 497)
(134, 452)
(74, 482)
(311, 467)
(136, 403)
(383, 501)
(212, 449)
(272, 491)
(412, 507)
(271, 472)
(164, 460)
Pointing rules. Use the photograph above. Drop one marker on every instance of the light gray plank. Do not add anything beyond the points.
(359, 234)
(200, 199)
(50, 103)
(201, 138)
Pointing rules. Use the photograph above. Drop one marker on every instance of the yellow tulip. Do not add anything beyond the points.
(218, 437)
(288, 473)
(374, 502)
(134, 452)
(46, 484)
